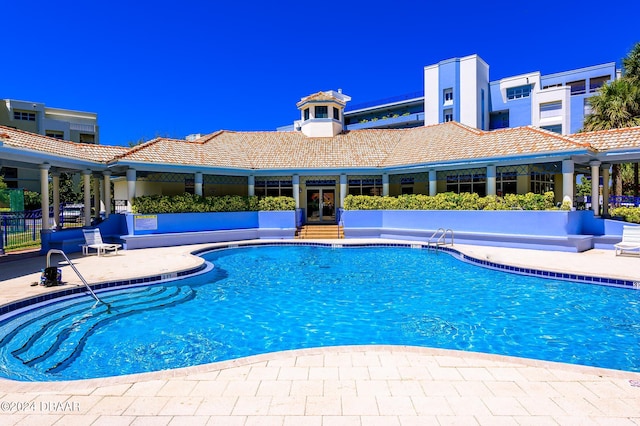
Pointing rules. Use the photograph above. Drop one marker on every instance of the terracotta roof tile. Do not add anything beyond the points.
(21, 139)
(613, 139)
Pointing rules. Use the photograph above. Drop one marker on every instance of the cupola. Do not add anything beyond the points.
(322, 114)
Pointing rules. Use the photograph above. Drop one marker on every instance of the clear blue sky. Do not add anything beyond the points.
(171, 68)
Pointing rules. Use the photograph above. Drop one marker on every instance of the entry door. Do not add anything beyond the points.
(321, 206)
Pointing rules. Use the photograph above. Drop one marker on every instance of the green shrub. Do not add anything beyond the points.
(453, 201)
(276, 204)
(190, 203)
(629, 214)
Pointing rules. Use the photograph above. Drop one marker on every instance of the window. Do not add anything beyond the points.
(365, 186)
(54, 134)
(471, 181)
(447, 115)
(578, 87)
(541, 182)
(550, 109)
(549, 86)
(586, 108)
(506, 183)
(87, 138)
(336, 114)
(274, 188)
(499, 120)
(189, 185)
(597, 82)
(10, 176)
(322, 111)
(306, 113)
(23, 115)
(447, 95)
(519, 92)
(556, 128)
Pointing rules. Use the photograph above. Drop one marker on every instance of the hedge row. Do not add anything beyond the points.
(629, 214)
(190, 203)
(452, 201)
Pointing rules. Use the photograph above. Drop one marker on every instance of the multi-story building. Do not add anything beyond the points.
(35, 117)
(459, 90)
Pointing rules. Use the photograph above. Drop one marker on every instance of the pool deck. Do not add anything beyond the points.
(354, 385)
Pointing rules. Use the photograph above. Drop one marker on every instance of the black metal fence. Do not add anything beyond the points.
(21, 230)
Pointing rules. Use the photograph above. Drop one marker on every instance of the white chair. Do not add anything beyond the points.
(630, 241)
(93, 240)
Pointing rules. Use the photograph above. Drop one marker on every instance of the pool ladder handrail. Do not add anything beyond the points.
(441, 239)
(86, 284)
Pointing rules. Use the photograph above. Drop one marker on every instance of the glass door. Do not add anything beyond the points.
(321, 206)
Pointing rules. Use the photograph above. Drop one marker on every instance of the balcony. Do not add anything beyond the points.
(403, 121)
(85, 128)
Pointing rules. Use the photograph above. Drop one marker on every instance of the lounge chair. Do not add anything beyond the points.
(630, 243)
(93, 240)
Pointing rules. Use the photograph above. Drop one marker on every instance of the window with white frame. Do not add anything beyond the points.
(336, 114)
(306, 114)
(447, 115)
(550, 109)
(519, 92)
(586, 108)
(447, 96)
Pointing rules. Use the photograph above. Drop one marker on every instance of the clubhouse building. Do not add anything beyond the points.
(321, 163)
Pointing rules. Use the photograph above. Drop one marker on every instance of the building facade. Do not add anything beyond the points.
(36, 117)
(460, 89)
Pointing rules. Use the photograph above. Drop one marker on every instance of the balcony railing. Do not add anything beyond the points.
(385, 101)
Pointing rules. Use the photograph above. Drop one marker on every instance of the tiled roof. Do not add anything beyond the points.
(25, 140)
(371, 148)
(605, 140)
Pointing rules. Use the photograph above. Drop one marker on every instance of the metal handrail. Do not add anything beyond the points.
(76, 271)
(441, 239)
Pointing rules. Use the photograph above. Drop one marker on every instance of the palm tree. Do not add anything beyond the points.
(617, 105)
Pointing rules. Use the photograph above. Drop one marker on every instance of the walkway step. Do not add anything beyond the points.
(320, 232)
(51, 342)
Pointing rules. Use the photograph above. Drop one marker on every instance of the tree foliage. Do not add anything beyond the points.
(617, 105)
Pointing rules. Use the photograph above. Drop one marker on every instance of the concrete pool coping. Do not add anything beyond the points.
(340, 385)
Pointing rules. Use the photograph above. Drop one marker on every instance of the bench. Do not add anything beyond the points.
(630, 243)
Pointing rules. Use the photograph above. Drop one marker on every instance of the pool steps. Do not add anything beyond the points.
(50, 343)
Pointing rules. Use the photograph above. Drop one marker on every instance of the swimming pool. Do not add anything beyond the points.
(273, 298)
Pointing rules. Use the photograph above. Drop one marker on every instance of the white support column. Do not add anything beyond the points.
(385, 184)
(86, 176)
(251, 183)
(491, 180)
(107, 193)
(433, 182)
(595, 187)
(131, 187)
(96, 197)
(605, 189)
(44, 194)
(55, 183)
(295, 181)
(568, 181)
(343, 189)
(197, 178)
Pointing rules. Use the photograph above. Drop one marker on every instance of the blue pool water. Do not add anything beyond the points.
(265, 299)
